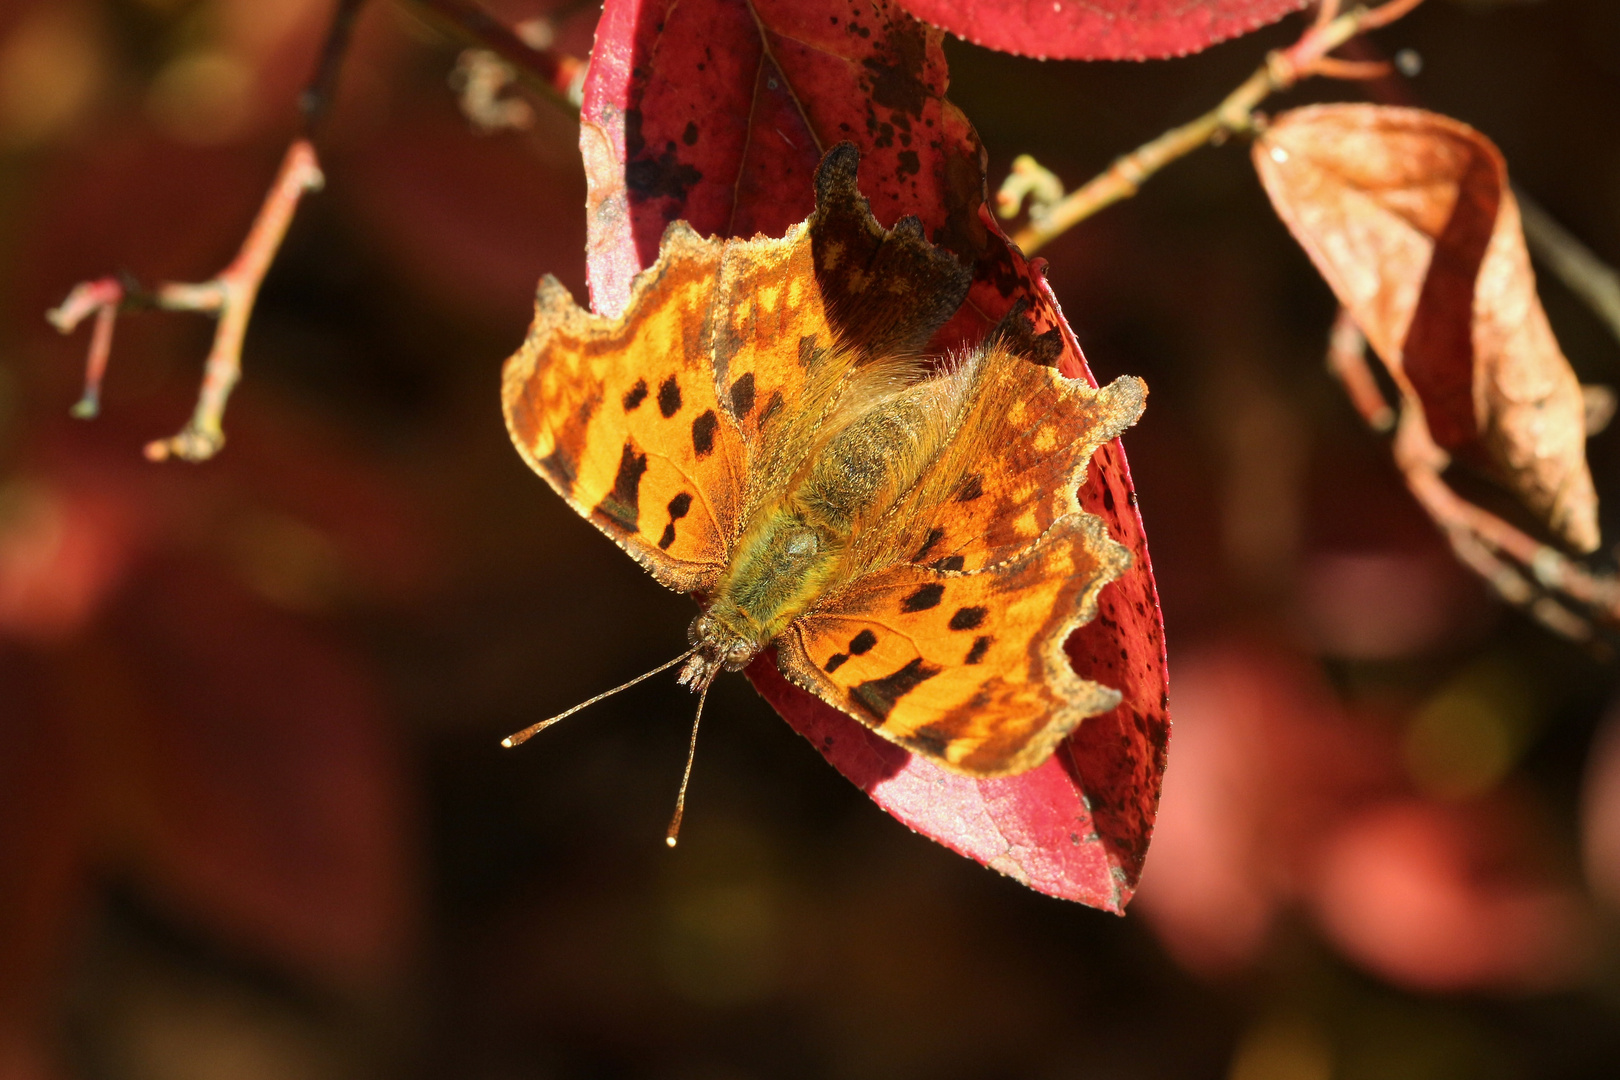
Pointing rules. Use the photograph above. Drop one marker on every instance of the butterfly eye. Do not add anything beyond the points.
(699, 629)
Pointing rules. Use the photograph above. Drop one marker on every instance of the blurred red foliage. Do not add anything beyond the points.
(1283, 798)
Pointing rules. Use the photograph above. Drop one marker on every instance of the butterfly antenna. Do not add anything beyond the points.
(691, 752)
(534, 729)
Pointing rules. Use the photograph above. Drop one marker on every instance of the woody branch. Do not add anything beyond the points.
(1283, 68)
(230, 296)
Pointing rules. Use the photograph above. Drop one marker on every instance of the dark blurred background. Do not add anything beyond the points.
(254, 821)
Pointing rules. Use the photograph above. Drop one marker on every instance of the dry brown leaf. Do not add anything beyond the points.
(1409, 217)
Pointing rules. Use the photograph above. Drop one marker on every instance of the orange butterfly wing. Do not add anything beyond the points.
(668, 426)
(968, 669)
(951, 641)
(1013, 468)
(640, 448)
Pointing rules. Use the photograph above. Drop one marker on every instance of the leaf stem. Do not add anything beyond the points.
(1282, 69)
(1561, 593)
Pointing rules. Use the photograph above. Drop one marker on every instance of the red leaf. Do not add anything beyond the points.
(718, 112)
(1100, 29)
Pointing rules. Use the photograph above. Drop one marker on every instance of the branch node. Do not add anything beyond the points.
(1034, 181)
(229, 297)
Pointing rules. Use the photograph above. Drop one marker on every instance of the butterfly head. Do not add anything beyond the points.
(716, 647)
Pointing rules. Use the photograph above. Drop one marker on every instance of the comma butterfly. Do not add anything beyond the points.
(761, 428)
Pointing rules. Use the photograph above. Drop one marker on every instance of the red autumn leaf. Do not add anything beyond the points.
(1101, 29)
(718, 112)
(1409, 217)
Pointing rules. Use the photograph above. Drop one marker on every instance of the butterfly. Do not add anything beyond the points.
(763, 428)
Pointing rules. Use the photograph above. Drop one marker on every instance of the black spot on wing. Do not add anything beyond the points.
(636, 395)
(981, 645)
(742, 396)
(669, 397)
(862, 643)
(834, 662)
(968, 618)
(678, 507)
(880, 696)
(772, 406)
(972, 487)
(935, 535)
(923, 598)
(622, 505)
(928, 740)
(949, 562)
(703, 433)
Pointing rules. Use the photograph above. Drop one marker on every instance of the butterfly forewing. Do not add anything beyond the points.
(622, 417)
(777, 360)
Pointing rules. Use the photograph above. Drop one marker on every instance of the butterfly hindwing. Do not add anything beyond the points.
(966, 668)
(622, 417)
(1012, 468)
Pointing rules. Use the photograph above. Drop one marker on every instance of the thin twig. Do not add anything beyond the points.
(230, 297)
(556, 76)
(322, 89)
(101, 298)
(1283, 68)
(1586, 275)
(1347, 360)
(1352, 70)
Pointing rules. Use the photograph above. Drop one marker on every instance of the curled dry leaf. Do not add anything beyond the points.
(1100, 29)
(1409, 217)
(717, 112)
